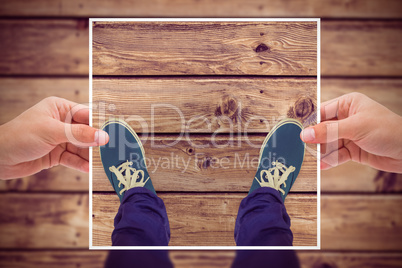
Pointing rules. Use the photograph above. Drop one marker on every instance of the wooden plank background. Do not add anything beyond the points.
(125, 51)
(44, 52)
(225, 48)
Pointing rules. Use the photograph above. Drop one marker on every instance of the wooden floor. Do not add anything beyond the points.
(44, 52)
(204, 176)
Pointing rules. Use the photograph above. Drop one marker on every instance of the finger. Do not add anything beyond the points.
(335, 158)
(85, 136)
(80, 114)
(74, 161)
(78, 134)
(329, 109)
(329, 131)
(327, 148)
(81, 152)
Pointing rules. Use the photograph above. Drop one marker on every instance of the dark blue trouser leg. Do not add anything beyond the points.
(262, 220)
(140, 221)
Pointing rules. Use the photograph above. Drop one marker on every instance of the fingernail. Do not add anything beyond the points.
(308, 134)
(101, 137)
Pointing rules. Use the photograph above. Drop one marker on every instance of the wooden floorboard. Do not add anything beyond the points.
(366, 48)
(212, 105)
(18, 94)
(208, 8)
(199, 259)
(44, 220)
(348, 222)
(359, 228)
(53, 258)
(206, 219)
(361, 222)
(224, 48)
(184, 167)
(43, 47)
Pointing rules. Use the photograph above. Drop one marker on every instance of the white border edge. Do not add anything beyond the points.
(90, 123)
(318, 247)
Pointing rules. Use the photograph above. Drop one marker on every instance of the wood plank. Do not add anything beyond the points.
(43, 220)
(44, 47)
(385, 91)
(205, 105)
(356, 48)
(50, 47)
(206, 219)
(53, 258)
(207, 8)
(217, 48)
(60, 179)
(308, 259)
(185, 167)
(350, 259)
(348, 222)
(19, 94)
(355, 177)
(199, 259)
(202, 259)
(361, 222)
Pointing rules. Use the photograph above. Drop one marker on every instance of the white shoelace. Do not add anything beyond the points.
(275, 180)
(128, 180)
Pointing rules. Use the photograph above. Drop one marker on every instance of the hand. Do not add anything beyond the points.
(354, 127)
(54, 131)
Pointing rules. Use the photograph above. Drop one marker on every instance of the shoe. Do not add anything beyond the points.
(123, 158)
(281, 157)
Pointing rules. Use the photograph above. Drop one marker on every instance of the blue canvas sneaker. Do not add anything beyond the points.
(281, 157)
(123, 158)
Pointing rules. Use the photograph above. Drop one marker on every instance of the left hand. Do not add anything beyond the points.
(53, 132)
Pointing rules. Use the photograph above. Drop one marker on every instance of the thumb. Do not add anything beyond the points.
(81, 135)
(329, 131)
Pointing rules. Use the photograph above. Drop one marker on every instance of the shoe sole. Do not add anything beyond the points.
(127, 126)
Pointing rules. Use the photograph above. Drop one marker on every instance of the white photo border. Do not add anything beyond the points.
(318, 246)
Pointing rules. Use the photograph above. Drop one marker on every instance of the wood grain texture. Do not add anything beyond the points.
(208, 48)
(19, 94)
(60, 179)
(348, 222)
(206, 8)
(206, 219)
(53, 258)
(364, 222)
(355, 177)
(188, 167)
(199, 259)
(308, 259)
(44, 47)
(369, 48)
(387, 92)
(208, 105)
(44, 220)
(349, 259)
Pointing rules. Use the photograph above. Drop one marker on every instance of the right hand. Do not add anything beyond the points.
(355, 127)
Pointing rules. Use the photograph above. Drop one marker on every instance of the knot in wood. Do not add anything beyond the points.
(303, 107)
(229, 107)
(261, 48)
